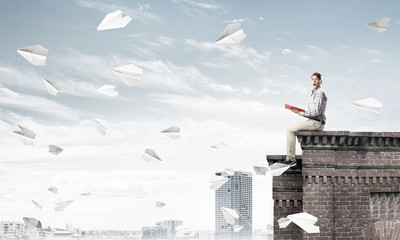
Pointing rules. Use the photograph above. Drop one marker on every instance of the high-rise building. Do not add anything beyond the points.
(235, 194)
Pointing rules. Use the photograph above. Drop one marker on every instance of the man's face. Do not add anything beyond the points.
(315, 82)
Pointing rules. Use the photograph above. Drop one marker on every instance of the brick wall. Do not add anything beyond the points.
(349, 181)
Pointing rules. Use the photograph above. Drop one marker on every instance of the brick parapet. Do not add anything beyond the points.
(349, 180)
(345, 140)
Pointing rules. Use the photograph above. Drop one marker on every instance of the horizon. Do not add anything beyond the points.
(233, 94)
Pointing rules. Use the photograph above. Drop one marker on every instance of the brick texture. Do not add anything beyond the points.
(349, 180)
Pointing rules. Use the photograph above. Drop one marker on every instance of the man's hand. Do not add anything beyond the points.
(295, 111)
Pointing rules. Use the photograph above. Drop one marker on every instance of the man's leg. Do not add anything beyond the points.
(291, 137)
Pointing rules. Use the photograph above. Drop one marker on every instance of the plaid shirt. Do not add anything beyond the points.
(316, 105)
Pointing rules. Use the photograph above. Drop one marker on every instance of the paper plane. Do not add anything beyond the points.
(62, 206)
(369, 108)
(108, 90)
(35, 54)
(379, 25)
(261, 169)
(30, 221)
(114, 20)
(54, 149)
(86, 194)
(217, 182)
(129, 74)
(303, 220)
(38, 204)
(101, 125)
(172, 132)
(223, 146)
(275, 169)
(160, 204)
(230, 215)
(25, 132)
(151, 156)
(62, 200)
(284, 222)
(237, 228)
(51, 86)
(53, 189)
(230, 171)
(232, 34)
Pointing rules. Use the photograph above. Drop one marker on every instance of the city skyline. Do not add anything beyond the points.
(214, 93)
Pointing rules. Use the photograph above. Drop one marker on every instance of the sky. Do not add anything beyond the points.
(213, 93)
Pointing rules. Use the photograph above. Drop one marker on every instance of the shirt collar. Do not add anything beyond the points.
(312, 91)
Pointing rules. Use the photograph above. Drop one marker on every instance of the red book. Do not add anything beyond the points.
(293, 107)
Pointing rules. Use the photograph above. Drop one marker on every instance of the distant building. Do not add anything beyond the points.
(12, 229)
(157, 232)
(170, 225)
(236, 194)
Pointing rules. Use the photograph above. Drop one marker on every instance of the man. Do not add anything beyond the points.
(315, 114)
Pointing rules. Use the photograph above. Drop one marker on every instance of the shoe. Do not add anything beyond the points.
(290, 163)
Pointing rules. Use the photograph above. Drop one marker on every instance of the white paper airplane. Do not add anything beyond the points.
(369, 108)
(53, 189)
(379, 25)
(151, 156)
(217, 182)
(62, 206)
(129, 74)
(284, 222)
(61, 201)
(35, 54)
(172, 132)
(303, 220)
(237, 228)
(54, 149)
(30, 221)
(38, 204)
(51, 86)
(160, 204)
(230, 171)
(223, 146)
(108, 90)
(232, 34)
(275, 169)
(101, 125)
(114, 20)
(230, 215)
(26, 132)
(262, 169)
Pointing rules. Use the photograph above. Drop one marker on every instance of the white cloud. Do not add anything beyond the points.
(140, 13)
(312, 53)
(246, 54)
(286, 51)
(198, 4)
(221, 88)
(370, 51)
(29, 103)
(238, 20)
(162, 42)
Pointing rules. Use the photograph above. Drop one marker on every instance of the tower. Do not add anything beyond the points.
(350, 181)
(236, 194)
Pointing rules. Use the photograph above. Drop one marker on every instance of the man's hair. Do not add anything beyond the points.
(318, 75)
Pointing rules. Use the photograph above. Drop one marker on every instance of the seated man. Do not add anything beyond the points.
(315, 114)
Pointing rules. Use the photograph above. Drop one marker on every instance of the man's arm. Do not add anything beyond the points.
(316, 106)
